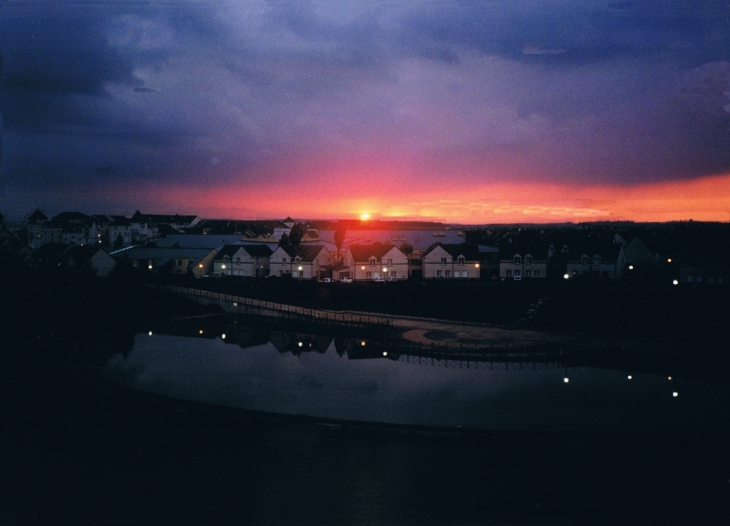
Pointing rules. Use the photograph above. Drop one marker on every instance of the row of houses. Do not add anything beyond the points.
(181, 244)
(376, 261)
(75, 228)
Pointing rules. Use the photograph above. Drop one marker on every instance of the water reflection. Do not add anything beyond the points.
(350, 377)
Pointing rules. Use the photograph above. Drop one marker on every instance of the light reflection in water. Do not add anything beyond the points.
(283, 375)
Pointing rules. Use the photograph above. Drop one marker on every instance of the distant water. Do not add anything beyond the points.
(319, 381)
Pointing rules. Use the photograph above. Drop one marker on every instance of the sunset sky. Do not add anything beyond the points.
(477, 112)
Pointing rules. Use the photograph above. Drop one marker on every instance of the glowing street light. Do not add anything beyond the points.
(566, 276)
(675, 282)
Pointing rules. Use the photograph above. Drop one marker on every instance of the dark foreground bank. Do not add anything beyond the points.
(76, 450)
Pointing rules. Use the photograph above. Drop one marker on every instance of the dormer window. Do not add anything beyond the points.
(461, 260)
(584, 260)
(297, 260)
(596, 260)
(372, 262)
(518, 260)
(528, 260)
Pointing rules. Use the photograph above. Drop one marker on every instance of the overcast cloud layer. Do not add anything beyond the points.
(415, 93)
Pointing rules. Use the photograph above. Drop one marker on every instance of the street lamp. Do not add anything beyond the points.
(299, 268)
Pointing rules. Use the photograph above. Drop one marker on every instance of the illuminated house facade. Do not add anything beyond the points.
(376, 261)
(452, 262)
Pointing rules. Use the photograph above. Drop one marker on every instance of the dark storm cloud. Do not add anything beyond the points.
(214, 92)
(579, 31)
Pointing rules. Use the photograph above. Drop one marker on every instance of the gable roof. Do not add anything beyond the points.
(162, 255)
(257, 251)
(81, 255)
(305, 252)
(226, 250)
(36, 216)
(365, 252)
(470, 251)
(604, 249)
(538, 251)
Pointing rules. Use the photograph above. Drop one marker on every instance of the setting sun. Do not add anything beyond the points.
(365, 217)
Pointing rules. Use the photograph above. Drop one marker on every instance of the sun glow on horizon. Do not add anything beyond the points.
(703, 199)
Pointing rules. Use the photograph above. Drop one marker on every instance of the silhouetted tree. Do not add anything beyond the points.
(406, 248)
(340, 239)
(297, 233)
(284, 241)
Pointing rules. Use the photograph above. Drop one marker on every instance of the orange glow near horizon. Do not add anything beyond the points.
(706, 199)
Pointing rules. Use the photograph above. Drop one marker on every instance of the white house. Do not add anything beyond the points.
(602, 260)
(301, 261)
(523, 261)
(250, 261)
(452, 261)
(378, 260)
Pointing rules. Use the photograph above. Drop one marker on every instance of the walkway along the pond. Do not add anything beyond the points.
(411, 334)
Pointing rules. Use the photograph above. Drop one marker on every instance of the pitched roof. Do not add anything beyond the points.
(163, 255)
(257, 251)
(470, 251)
(365, 252)
(72, 217)
(305, 252)
(604, 249)
(36, 216)
(227, 250)
(81, 255)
